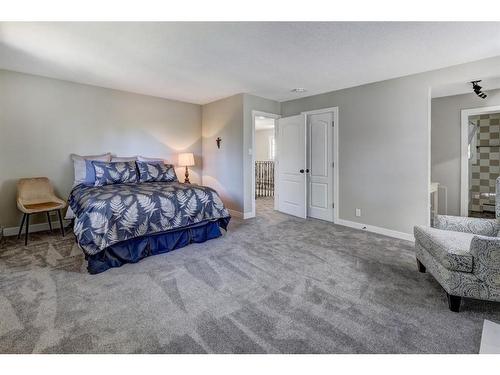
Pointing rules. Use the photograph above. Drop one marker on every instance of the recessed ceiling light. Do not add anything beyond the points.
(299, 89)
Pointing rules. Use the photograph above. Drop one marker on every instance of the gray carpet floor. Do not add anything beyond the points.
(273, 284)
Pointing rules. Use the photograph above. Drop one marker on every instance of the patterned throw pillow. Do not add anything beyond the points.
(82, 175)
(156, 171)
(114, 173)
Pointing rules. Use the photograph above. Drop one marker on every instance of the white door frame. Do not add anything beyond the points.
(335, 174)
(464, 159)
(275, 117)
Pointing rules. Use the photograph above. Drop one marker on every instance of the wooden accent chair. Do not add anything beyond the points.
(36, 195)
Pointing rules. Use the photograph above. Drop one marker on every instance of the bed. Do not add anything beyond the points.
(124, 223)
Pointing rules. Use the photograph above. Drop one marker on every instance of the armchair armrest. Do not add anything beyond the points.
(486, 253)
(482, 227)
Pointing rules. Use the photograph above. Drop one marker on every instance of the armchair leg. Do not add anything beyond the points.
(27, 229)
(50, 222)
(421, 267)
(21, 227)
(60, 222)
(454, 302)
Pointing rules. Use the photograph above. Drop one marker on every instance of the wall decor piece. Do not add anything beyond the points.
(218, 140)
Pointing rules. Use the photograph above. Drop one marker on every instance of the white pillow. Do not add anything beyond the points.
(81, 168)
(81, 172)
(123, 159)
(143, 158)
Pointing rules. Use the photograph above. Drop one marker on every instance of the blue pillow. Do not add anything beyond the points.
(89, 173)
(151, 171)
(114, 173)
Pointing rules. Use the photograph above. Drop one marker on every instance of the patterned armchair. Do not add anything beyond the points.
(463, 255)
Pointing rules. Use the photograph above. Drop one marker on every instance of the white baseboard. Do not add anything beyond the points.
(374, 229)
(248, 215)
(241, 215)
(236, 214)
(13, 231)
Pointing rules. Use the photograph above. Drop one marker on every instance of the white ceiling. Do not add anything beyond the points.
(202, 62)
(487, 83)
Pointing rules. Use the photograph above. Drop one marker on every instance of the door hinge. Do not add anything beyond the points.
(333, 164)
(333, 123)
(333, 205)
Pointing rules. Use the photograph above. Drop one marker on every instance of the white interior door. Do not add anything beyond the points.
(320, 166)
(291, 155)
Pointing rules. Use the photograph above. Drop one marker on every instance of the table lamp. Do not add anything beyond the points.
(186, 159)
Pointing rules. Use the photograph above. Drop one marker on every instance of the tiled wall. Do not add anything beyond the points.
(486, 167)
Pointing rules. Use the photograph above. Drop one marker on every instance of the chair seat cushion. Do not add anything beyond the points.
(42, 207)
(451, 249)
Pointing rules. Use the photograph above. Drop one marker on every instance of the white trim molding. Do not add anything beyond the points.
(378, 230)
(464, 159)
(255, 113)
(429, 157)
(335, 112)
(13, 231)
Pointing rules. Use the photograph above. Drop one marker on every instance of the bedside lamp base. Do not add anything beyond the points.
(186, 180)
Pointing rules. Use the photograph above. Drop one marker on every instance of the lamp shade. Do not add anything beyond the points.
(186, 159)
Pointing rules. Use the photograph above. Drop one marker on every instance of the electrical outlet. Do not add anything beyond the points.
(358, 212)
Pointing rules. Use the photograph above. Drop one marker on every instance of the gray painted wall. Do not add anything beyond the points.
(384, 144)
(223, 168)
(384, 133)
(252, 103)
(383, 151)
(228, 170)
(43, 121)
(445, 140)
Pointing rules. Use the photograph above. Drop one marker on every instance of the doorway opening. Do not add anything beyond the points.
(264, 162)
(480, 161)
(295, 164)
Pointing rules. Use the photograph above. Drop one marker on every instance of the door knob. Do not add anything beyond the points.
(301, 171)
(307, 170)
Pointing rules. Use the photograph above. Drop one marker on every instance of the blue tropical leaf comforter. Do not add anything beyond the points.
(109, 214)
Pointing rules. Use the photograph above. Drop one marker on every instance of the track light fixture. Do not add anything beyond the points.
(477, 89)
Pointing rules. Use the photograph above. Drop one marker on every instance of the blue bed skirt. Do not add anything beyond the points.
(135, 249)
